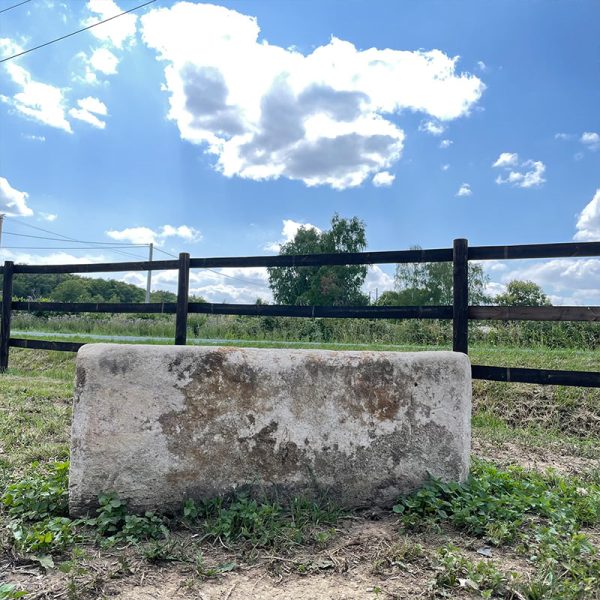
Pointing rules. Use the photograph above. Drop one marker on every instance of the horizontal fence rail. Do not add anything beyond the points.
(459, 312)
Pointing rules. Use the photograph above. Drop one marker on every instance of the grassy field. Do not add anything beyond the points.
(531, 531)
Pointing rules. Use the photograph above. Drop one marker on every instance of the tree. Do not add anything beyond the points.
(523, 293)
(432, 283)
(327, 285)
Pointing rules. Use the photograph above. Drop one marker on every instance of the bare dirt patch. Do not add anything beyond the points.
(366, 559)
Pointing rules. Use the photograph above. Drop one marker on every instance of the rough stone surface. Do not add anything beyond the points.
(160, 424)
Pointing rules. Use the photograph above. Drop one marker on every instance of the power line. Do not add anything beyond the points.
(14, 6)
(218, 272)
(60, 248)
(68, 35)
(70, 239)
(41, 237)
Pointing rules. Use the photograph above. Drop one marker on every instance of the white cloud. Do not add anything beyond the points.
(103, 60)
(39, 101)
(507, 159)
(145, 235)
(116, 32)
(88, 109)
(482, 66)
(50, 217)
(288, 233)
(268, 112)
(566, 280)
(55, 258)
(446, 144)
(588, 222)
(464, 190)
(13, 202)
(383, 179)
(234, 285)
(35, 138)
(445, 167)
(530, 173)
(432, 127)
(377, 281)
(590, 139)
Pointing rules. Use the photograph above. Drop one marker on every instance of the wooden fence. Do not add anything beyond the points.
(460, 312)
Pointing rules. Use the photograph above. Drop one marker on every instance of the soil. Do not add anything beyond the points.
(358, 562)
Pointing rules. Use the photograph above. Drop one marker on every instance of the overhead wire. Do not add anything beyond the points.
(40, 237)
(68, 35)
(70, 239)
(14, 6)
(57, 248)
(218, 272)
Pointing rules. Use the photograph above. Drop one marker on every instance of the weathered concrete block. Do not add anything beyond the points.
(159, 424)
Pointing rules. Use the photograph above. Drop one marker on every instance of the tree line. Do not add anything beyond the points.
(415, 284)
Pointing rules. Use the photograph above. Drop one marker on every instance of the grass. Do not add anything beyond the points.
(545, 522)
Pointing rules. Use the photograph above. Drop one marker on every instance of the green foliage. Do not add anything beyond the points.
(455, 570)
(40, 495)
(8, 591)
(327, 285)
(523, 293)
(542, 514)
(73, 288)
(431, 284)
(114, 523)
(53, 534)
(37, 507)
(263, 524)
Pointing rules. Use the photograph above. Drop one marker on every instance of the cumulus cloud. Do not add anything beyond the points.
(377, 281)
(445, 167)
(464, 190)
(88, 109)
(446, 144)
(118, 32)
(12, 201)
(288, 232)
(432, 127)
(50, 217)
(507, 159)
(267, 112)
(590, 139)
(101, 60)
(526, 174)
(145, 235)
(36, 100)
(566, 280)
(383, 179)
(588, 222)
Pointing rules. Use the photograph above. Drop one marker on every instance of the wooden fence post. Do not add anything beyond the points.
(183, 288)
(460, 319)
(7, 289)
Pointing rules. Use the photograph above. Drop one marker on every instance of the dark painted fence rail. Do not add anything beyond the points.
(460, 312)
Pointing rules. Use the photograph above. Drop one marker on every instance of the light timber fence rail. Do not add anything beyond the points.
(459, 312)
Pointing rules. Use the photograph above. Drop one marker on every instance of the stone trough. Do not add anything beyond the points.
(160, 424)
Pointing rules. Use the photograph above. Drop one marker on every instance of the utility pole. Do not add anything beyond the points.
(1, 223)
(149, 282)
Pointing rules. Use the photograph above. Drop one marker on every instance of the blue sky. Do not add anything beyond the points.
(218, 129)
